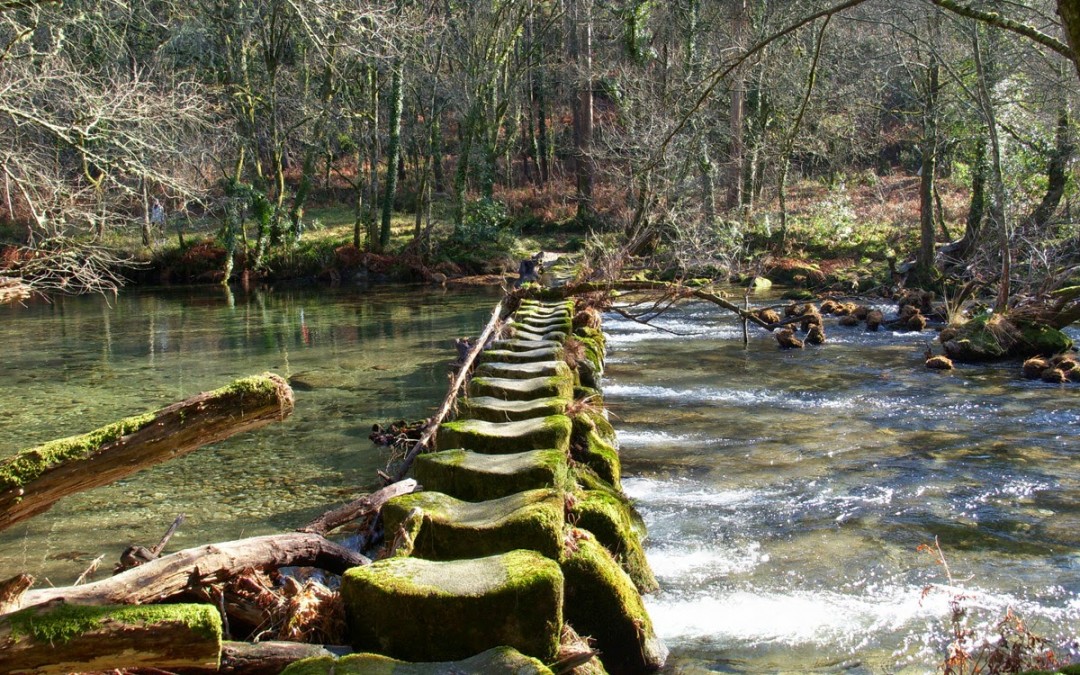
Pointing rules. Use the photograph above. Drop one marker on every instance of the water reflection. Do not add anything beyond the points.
(355, 358)
(786, 493)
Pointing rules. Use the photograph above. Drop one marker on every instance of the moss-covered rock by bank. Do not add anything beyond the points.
(524, 370)
(549, 353)
(519, 390)
(496, 660)
(499, 438)
(611, 521)
(601, 602)
(451, 528)
(492, 409)
(474, 477)
(587, 479)
(423, 610)
(996, 336)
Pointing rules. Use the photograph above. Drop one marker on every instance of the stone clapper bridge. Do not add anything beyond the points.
(522, 530)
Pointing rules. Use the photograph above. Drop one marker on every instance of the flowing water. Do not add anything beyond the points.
(786, 494)
(354, 358)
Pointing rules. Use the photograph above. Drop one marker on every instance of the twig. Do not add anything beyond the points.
(156, 551)
(89, 570)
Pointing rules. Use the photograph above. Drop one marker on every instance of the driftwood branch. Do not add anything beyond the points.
(360, 508)
(165, 577)
(35, 479)
(502, 310)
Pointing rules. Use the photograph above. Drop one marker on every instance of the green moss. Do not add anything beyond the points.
(28, 465)
(497, 660)
(519, 390)
(320, 665)
(601, 602)
(611, 520)
(1040, 339)
(420, 610)
(66, 622)
(993, 337)
(492, 409)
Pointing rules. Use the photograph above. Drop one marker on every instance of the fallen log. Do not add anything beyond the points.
(63, 638)
(35, 479)
(188, 569)
(363, 507)
(268, 658)
(502, 310)
(678, 290)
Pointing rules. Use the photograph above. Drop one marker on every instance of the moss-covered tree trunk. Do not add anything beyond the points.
(35, 479)
(63, 638)
(1069, 11)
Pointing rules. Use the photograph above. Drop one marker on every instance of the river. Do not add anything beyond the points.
(786, 493)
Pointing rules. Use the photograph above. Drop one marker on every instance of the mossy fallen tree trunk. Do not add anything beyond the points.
(672, 289)
(188, 569)
(65, 638)
(35, 479)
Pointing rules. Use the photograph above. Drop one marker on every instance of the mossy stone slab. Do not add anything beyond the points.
(513, 345)
(601, 602)
(451, 529)
(424, 610)
(521, 390)
(550, 353)
(523, 371)
(492, 409)
(538, 335)
(500, 438)
(474, 477)
(536, 324)
(497, 660)
(612, 521)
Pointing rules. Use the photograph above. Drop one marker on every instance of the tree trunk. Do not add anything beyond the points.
(62, 638)
(1069, 11)
(924, 263)
(581, 54)
(1056, 176)
(393, 153)
(998, 211)
(171, 575)
(35, 479)
(740, 28)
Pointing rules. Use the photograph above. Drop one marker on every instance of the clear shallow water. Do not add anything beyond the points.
(786, 494)
(355, 358)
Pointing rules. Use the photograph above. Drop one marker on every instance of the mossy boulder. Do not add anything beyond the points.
(524, 370)
(612, 521)
(587, 479)
(548, 353)
(450, 528)
(499, 438)
(519, 390)
(496, 660)
(594, 334)
(424, 610)
(601, 602)
(474, 477)
(994, 337)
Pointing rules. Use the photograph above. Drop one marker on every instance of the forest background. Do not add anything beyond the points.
(838, 142)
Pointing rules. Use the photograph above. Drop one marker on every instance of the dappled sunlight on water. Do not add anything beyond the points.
(786, 494)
